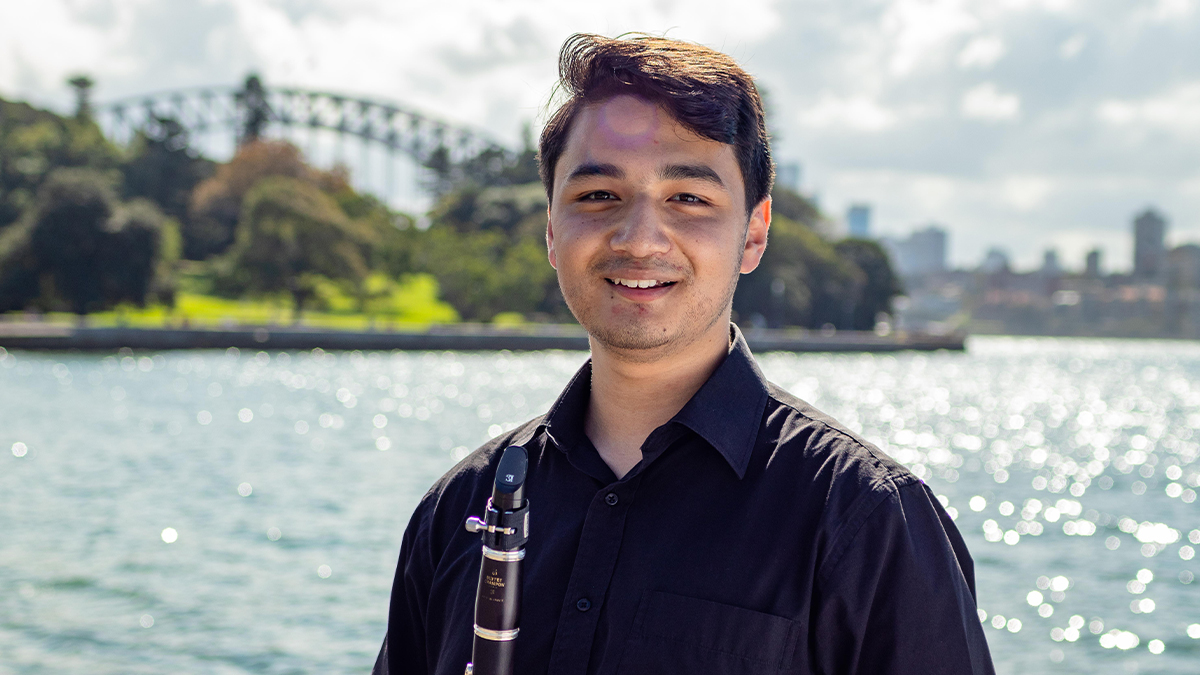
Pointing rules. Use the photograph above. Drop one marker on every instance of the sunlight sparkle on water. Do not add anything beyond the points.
(1069, 466)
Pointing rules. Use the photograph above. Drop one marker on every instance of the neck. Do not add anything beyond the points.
(633, 395)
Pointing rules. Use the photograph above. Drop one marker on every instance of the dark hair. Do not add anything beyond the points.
(704, 90)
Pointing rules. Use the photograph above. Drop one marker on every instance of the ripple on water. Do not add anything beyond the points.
(1069, 466)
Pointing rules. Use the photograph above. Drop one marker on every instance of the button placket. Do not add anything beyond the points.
(595, 560)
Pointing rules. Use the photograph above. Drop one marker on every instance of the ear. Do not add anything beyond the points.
(756, 236)
(550, 240)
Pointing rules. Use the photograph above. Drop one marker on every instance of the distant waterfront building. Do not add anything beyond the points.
(1050, 265)
(1092, 266)
(995, 261)
(1149, 248)
(858, 220)
(1183, 266)
(787, 174)
(922, 252)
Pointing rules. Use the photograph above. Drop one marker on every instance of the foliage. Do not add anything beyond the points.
(216, 203)
(73, 208)
(162, 167)
(290, 237)
(33, 143)
(880, 286)
(486, 246)
(82, 247)
(801, 280)
(19, 282)
(795, 207)
(484, 273)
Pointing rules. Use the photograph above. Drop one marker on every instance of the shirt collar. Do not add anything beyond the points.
(726, 411)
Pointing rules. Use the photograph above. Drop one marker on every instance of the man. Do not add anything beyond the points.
(688, 516)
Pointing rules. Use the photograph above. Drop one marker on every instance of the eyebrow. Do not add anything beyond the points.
(690, 172)
(669, 172)
(591, 169)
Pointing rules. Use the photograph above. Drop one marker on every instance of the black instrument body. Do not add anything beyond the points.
(504, 529)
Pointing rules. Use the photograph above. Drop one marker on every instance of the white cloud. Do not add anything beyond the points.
(856, 112)
(919, 30)
(982, 52)
(986, 102)
(1177, 111)
(1026, 193)
(1072, 46)
(1168, 10)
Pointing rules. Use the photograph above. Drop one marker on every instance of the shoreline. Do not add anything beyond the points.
(456, 337)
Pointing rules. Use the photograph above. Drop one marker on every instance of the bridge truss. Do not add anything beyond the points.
(253, 111)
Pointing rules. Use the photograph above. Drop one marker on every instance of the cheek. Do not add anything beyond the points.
(712, 250)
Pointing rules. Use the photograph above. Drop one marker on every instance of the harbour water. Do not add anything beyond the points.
(226, 512)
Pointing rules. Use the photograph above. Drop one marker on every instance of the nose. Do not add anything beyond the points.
(642, 232)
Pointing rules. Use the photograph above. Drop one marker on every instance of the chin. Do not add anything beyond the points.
(630, 338)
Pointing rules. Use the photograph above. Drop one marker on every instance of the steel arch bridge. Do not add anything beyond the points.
(251, 110)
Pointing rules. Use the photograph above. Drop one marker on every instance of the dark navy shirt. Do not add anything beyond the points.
(755, 536)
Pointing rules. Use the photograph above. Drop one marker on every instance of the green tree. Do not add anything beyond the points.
(19, 269)
(801, 281)
(482, 274)
(486, 248)
(216, 202)
(35, 142)
(71, 216)
(82, 248)
(881, 283)
(291, 236)
(137, 255)
(163, 168)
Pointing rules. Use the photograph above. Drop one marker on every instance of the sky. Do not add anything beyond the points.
(1022, 124)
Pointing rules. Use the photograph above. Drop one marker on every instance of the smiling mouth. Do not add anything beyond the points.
(639, 283)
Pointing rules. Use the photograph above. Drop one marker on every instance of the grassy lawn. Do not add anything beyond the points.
(408, 305)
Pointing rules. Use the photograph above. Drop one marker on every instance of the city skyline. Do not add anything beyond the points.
(1149, 235)
(1051, 121)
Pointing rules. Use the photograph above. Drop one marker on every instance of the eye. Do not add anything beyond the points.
(598, 196)
(686, 198)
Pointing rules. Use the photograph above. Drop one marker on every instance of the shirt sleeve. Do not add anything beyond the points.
(898, 597)
(404, 645)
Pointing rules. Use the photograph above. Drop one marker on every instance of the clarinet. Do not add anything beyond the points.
(504, 529)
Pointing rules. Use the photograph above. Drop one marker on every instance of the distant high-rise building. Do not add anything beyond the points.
(1050, 266)
(1092, 268)
(858, 220)
(1149, 247)
(922, 252)
(787, 174)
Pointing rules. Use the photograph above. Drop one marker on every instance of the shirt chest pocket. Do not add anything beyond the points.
(678, 634)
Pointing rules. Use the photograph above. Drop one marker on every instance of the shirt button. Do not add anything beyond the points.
(611, 499)
(584, 604)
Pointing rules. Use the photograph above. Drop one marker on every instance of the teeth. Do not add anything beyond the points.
(636, 283)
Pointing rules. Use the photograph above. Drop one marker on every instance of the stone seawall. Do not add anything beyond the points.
(453, 337)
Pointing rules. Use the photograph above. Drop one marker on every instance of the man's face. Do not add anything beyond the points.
(648, 228)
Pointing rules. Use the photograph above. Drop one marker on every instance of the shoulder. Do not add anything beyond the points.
(464, 489)
(795, 427)
(851, 478)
